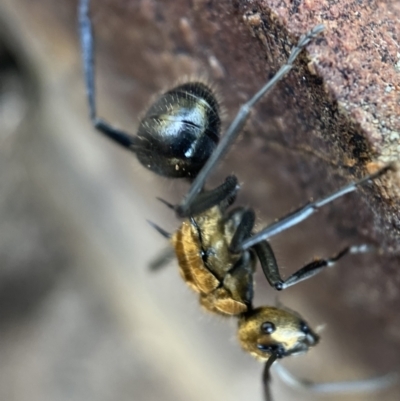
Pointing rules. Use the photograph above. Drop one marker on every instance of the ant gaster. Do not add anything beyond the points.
(216, 248)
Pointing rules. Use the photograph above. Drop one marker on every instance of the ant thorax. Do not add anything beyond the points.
(223, 279)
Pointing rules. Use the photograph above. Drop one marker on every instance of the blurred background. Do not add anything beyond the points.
(81, 315)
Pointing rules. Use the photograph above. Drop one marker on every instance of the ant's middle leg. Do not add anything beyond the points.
(270, 267)
(307, 210)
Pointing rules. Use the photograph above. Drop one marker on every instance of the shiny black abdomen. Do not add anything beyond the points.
(180, 131)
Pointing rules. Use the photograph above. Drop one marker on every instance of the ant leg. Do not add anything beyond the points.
(243, 230)
(240, 119)
(318, 265)
(266, 377)
(164, 233)
(268, 263)
(87, 45)
(163, 258)
(347, 387)
(238, 281)
(223, 195)
(271, 270)
(306, 211)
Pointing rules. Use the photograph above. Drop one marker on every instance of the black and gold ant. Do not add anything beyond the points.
(216, 248)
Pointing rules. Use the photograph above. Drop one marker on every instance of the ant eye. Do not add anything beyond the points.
(268, 328)
(304, 327)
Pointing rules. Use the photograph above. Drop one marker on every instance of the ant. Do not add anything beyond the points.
(216, 247)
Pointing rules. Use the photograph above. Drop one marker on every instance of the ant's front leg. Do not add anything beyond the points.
(246, 219)
(271, 270)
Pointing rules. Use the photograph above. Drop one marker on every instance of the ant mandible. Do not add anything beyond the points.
(216, 248)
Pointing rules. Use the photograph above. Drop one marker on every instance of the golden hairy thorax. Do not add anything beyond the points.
(202, 248)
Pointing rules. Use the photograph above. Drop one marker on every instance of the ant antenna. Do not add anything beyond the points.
(266, 377)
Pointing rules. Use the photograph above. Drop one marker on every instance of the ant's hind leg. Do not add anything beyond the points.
(270, 267)
(87, 46)
(238, 122)
(224, 195)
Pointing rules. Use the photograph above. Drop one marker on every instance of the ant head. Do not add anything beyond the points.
(180, 131)
(265, 331)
